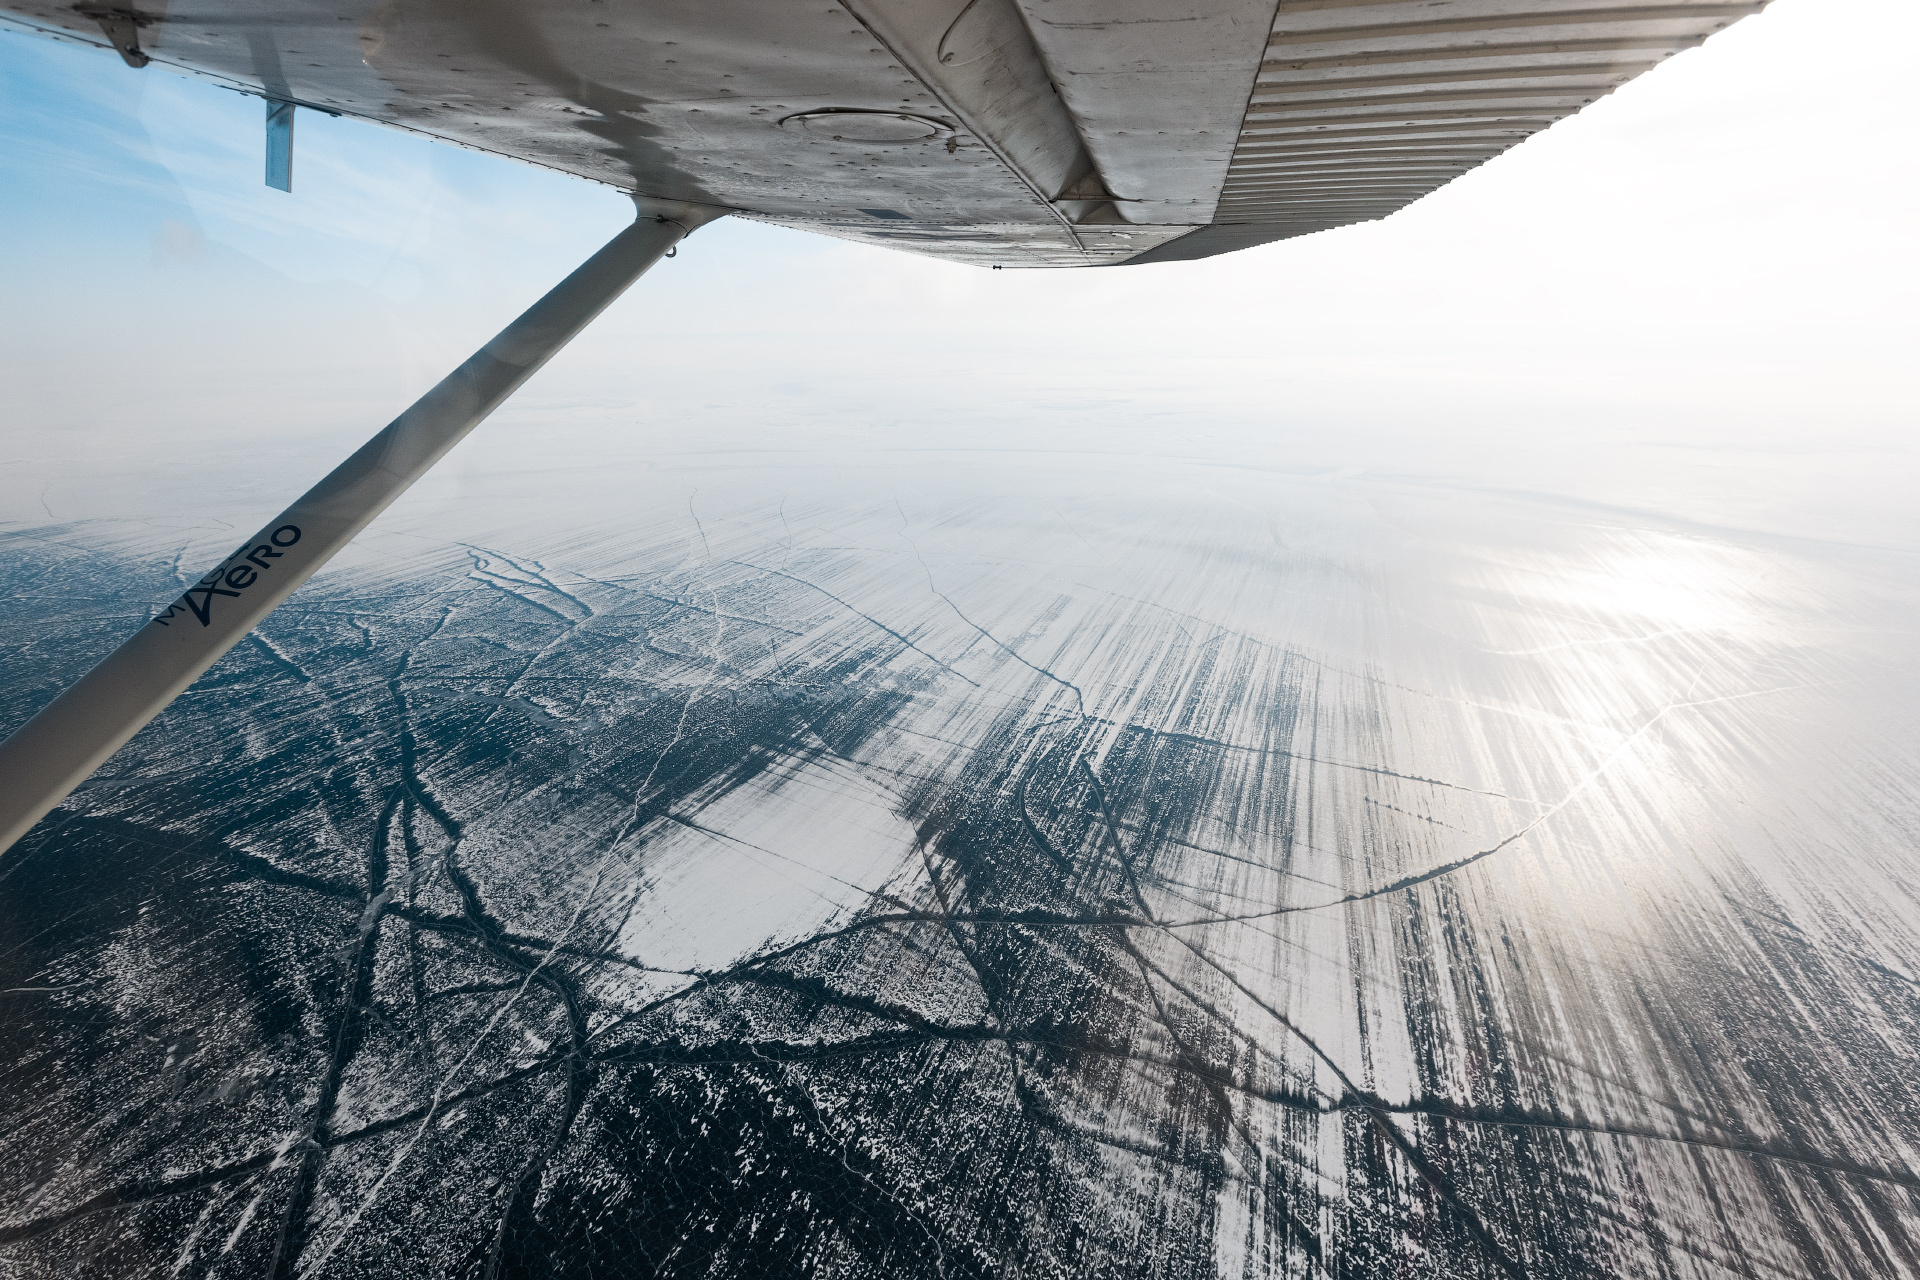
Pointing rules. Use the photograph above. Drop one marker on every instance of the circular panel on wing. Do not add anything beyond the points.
(866, 126)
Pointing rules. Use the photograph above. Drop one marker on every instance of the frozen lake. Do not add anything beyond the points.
(1055, 864)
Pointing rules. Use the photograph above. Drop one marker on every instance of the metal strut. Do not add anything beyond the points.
(55, 751)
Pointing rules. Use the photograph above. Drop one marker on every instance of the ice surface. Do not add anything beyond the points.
(1125, 875)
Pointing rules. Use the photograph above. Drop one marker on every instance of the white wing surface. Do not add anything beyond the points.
(1043, 133)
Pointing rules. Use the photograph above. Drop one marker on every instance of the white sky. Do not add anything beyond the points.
(1697, 297)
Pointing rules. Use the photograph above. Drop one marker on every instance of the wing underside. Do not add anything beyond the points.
(1004, 132)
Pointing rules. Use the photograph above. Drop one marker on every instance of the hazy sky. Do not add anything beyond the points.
(1696, 297)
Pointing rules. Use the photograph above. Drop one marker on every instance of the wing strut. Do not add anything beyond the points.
(55, 751)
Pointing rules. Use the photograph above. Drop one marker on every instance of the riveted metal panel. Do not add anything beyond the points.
(1057, 132)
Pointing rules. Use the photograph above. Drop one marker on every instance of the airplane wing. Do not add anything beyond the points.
(1019, 133)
